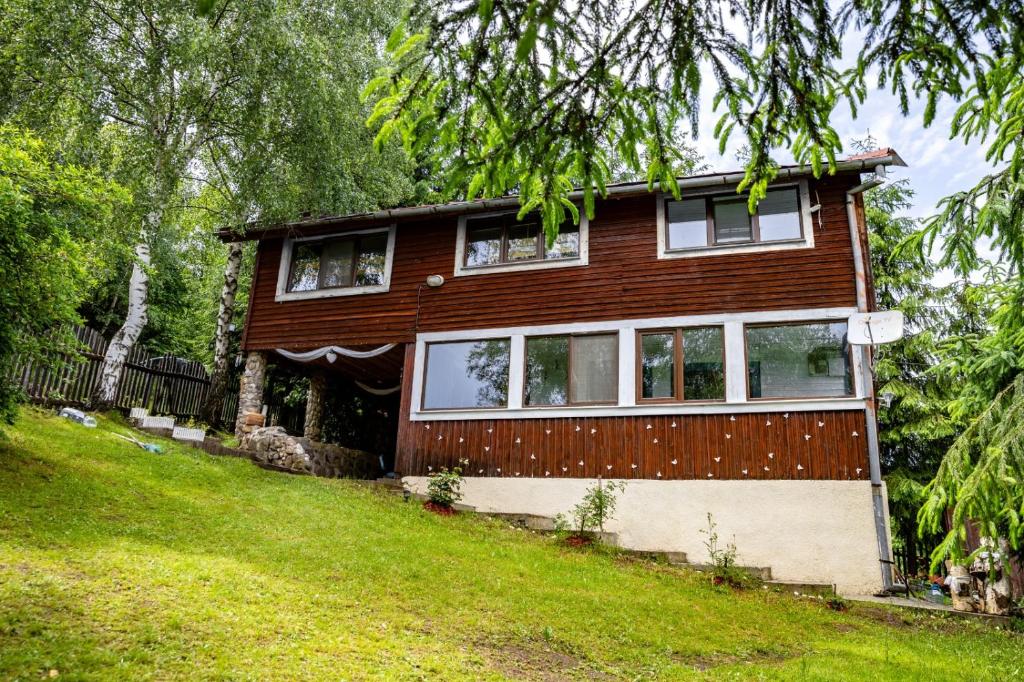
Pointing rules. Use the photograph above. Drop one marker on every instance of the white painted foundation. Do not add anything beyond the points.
(805, 531)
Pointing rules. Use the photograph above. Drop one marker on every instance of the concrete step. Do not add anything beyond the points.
(816, 589)
(763, 573)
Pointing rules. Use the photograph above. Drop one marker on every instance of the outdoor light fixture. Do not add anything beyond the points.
(435, 281)
(406, 494)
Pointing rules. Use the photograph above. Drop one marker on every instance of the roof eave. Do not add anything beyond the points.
(891, 158)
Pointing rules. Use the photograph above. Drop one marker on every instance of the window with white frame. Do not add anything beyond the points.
(499, 242)
(466, 374)
(571, 370)
(336, 265)
(632, 366)
(800, 360)
(707, 223)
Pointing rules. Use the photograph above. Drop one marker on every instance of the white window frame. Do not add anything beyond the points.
(461, 270)
(284, 269)
(736, 400)
(805, 242)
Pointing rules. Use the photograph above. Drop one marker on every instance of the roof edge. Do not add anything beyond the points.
(862, 162)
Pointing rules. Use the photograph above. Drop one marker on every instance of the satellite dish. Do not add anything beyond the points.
(870, 329)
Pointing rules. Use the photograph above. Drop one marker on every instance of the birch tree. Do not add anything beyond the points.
(175, 83)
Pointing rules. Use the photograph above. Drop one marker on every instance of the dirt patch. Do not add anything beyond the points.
(578, 541)
(438, 509)
(710, 661)
(883, 616)
(537, 661)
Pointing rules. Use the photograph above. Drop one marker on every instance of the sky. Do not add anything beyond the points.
(936, 165)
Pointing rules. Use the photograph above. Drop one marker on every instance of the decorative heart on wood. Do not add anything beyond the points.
(799, 467)
(674, 462)
(771, 455)
(718, 459)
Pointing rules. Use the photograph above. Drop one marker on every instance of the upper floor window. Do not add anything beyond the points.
(725, 220)
(494, 240)
(571, 370)
(500, 243)
(798, 361)
(722, 223)
(337, 265)
(681, 364)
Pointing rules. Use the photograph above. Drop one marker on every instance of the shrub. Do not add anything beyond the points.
(723, 559)
(593, 511)
(444, 487)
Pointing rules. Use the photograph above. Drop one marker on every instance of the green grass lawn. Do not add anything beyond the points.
(116, 563)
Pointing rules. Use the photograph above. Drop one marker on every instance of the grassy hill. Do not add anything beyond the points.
(116, 563)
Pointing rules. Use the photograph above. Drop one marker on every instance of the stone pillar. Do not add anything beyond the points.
(250, 394)
(313, 429)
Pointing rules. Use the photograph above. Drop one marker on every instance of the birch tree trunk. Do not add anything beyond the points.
(128, 334)
(218, 380)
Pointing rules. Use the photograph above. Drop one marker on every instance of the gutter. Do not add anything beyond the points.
(614, 191)
(878, 499)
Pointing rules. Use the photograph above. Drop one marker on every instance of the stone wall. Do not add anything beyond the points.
(273, 446)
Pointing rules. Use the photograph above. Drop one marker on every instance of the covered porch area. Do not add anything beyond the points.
(327, 397)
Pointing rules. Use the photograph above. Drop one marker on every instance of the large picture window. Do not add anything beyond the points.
(343, 262)
(466, 374)
(571, 370)
(708, 221)
(681, 364)
(798, 361)
(501, 240)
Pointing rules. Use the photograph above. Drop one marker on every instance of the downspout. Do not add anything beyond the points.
(867, 380)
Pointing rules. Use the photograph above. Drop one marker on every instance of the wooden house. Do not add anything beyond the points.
(683, 345)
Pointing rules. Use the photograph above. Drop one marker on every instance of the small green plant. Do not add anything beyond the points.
(837, 603)
(444, 487)
(723, 559)
(596, 507)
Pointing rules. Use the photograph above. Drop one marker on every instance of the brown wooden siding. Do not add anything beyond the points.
(701, 446)
(624, 280)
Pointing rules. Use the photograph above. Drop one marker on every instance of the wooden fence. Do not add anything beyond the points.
(165, 385)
